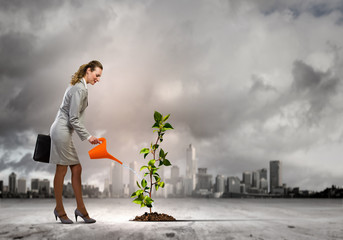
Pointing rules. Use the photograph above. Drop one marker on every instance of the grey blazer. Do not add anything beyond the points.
(72, 109)
(69, 119)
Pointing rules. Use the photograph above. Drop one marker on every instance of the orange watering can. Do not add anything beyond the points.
(101, 152)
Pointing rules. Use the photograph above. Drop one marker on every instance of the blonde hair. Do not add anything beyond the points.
(82, 71)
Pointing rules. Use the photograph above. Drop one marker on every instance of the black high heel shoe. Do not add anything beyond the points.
(64, 221)
(85, 218)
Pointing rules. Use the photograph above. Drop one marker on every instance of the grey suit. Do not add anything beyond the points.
(69, 118)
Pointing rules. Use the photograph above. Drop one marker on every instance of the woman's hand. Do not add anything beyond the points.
(94, 140)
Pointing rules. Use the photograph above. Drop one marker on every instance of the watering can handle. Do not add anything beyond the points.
(102, 140)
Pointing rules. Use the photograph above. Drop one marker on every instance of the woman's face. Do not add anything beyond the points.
(93, 77)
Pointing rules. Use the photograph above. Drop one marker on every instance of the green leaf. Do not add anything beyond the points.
(149, 205)
(143, 167)
(138, 184)
(133, 195)
(156, 174)
(146, 174)
(161, 154)
(157, 117)
(156, 187)
(161, 163)
(167, 126)
(166, 118)
(156, 125)
(145, 154)
(151, 162)
(144, 183)
(166, 162)
(145, 150)
(138, 201)
(155, 146)
(157, 178)
(162, 184)
(147, 199)
(139, 192)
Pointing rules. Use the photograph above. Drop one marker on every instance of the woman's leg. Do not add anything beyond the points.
(77, 187)
(58, 187)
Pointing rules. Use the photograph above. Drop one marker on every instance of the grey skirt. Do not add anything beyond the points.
(62, 150)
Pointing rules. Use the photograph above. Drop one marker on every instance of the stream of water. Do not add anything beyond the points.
(132, 171)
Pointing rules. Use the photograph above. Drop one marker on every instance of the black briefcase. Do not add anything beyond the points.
(42, 149)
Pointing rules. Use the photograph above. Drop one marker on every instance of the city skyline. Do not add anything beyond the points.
(255, 181)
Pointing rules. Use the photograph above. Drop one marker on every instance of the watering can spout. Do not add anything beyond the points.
(101, 152)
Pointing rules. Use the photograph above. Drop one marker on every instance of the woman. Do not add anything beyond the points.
(69, 119)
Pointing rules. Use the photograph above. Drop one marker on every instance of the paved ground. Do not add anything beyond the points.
(197, 219)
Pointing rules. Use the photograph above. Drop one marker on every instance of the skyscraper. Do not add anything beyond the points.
(256, 179)
(220, 184)
(35, 185)
(174, 173)
(247, 179)
(133, 178)
(191, 165)
(21, 185)
(263, 180)
(117, 180)
(44, 187)
(204, 180)
(233, 185)
(275, 174)
(12, 180)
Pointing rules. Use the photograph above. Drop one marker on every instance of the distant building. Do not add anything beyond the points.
(12, 180)
(187, 187)
(68, 190)
(234, 185)
(35, 185)
(220, 184)
(90, 191)
(106, 192)
(256, 179)
(263, 180)
(204, 180)
(117, 180)
(174, 174)
(247, 179)
(275, 175)
(1, 188)
(191, 166)
(22, 185)
(44, 187)
(168, 190)
(263, 173)
(242, 188)
(176, 181)
(264, 185)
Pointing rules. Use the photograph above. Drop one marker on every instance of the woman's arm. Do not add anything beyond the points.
(77, 99)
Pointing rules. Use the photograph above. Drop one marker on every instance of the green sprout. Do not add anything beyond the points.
(143, 194)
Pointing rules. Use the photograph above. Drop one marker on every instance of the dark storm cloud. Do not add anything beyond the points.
(33, 58)
(25, 165)
(222, 69)
(16, 49)
(316, 8)
(317, 87)
(260, 86)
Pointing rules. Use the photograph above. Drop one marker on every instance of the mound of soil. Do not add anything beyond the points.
(154, 217)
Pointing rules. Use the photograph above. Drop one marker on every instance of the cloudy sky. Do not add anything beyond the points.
(245, 82)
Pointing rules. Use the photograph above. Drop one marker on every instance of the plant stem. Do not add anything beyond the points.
(151, 171)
